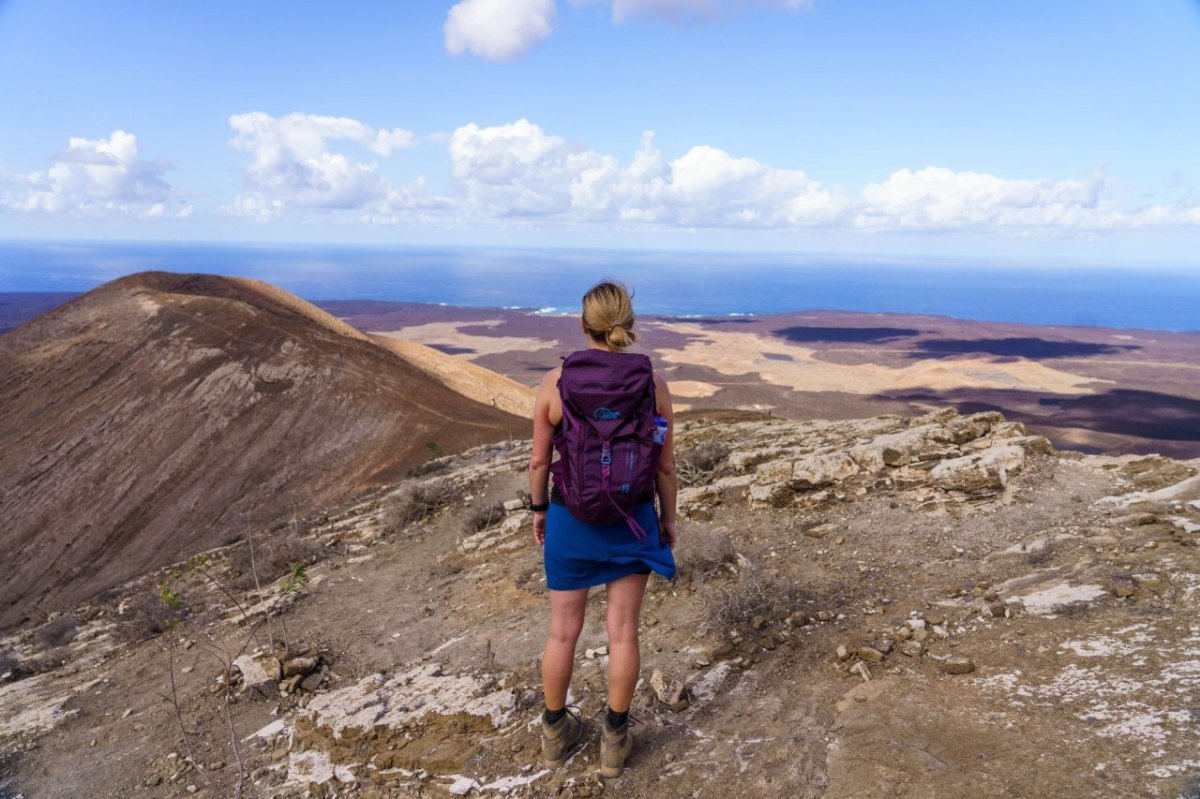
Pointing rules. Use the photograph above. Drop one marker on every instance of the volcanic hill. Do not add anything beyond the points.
(161, 414)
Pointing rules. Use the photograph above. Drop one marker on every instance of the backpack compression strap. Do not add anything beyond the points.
(606, 476)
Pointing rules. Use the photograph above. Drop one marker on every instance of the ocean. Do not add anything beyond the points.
(666, 283)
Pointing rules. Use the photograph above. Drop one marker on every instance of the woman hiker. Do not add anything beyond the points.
(610, 418)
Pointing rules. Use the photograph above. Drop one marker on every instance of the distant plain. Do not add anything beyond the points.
(1086, 388)
(1092, 388)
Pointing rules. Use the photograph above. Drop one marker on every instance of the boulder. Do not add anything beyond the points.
(299, 666)
(670, 692)
(822, 470)
(774, 471)
(869, 654)
(1033, 445)
(956, 665)
(891, 449)
(775, 494)
(969, 428)
(260, 674)
(984, 471)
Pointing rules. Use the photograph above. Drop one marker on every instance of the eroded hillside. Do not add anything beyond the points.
(941, 606)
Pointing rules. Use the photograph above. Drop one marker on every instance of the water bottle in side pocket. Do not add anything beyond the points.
(660, 430)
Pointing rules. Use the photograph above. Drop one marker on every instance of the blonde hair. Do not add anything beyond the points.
(608, 314)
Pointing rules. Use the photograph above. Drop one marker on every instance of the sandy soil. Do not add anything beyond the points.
(800, 368)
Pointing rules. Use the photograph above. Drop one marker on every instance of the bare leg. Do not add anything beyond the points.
(624, 657)
(558, 660)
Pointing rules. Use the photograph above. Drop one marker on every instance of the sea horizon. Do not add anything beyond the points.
(682, 283)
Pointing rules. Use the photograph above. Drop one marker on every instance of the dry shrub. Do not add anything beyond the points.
(56, 633)
(275, 555)
(754, 593)
(701, 463)
(1042, 555)
(145, 616)
(415, 502)
(702, 551)
(483, 516)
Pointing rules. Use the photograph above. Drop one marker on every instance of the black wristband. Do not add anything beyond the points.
(542, 508)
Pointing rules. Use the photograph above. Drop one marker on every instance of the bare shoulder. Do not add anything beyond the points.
(550, 381)
(660, 384)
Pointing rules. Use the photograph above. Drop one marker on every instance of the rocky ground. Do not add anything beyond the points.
(940, 606)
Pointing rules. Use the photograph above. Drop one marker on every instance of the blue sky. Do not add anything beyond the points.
(1025, 129)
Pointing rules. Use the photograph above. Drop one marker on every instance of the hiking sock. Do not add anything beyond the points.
(616, 720)
(552, 716)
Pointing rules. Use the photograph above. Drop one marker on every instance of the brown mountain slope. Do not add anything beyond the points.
(160, 413)
(469, 379)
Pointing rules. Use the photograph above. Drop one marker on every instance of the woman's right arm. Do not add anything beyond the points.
(666, 482)
(539, 459)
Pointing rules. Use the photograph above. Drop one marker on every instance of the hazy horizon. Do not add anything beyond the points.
(666, 283)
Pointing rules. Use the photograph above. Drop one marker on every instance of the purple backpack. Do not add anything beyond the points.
(607, 455)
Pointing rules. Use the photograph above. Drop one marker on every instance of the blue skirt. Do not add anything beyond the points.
(580, 554)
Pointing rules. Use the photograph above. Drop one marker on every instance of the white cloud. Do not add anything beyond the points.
(498, 30)
(501, 30)
(516, 169)
(98, 177)
(935, 198)
(519, 170)
(292, 164)
(706, 187)
(518, 173)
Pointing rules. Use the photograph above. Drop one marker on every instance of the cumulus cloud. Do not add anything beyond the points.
(935, 198)
(501, 30)
(520, 170)
(98, 177)
(518, 173)
(498, 30)
(705, 187)
(292, 164)
(516, 169)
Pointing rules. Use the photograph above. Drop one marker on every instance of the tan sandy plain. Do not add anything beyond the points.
(692, 388)
(743, 353)
(468, 379)
(446, 334)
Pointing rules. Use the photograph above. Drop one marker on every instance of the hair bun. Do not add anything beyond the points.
(618, 337)
(608, 314)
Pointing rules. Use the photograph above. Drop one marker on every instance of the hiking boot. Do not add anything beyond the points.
(615, 746)
(559, 737)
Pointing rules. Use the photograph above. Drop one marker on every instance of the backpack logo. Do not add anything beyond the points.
(605, 415)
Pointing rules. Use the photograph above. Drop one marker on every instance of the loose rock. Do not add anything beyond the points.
(957, 665)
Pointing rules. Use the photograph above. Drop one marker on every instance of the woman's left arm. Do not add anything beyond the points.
(539, 459)
(666, 481)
